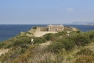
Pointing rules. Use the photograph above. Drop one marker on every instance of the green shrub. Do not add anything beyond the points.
(9, 46)
(48, 36)
(60, 44)
(68, 44)
(1, 44)
(91, 35)
(21, 40)
(21, 51)
(35, 27)
(61, 33)
(80, 39)
(39, 40)
(85, 51)
(78, 31)
(56, 47)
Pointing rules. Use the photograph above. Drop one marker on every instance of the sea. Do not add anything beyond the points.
(9, 31)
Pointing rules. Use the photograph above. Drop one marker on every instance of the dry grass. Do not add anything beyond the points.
(47, 57)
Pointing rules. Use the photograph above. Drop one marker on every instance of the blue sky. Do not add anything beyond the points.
(46, 11)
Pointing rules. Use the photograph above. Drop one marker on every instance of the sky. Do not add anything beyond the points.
(46, 11)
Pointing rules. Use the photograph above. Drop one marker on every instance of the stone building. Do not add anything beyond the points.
(55, 28)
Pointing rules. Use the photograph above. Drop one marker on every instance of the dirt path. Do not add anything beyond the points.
(40, 54)
(41, 33)
(41, 47)
(44, 45)
(3, 51)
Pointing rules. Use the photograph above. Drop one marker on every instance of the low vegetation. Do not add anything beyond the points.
(75, 48)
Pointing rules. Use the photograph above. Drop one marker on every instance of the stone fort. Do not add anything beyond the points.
(54, 28)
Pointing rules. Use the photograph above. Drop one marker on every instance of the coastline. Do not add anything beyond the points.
(10, 31)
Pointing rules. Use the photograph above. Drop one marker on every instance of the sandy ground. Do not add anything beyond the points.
(2, 51)
(45, 44)
(74, 29)
(41, 33)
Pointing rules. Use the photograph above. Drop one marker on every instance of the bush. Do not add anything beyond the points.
(85, 59)
(56, 47)
(48, 36)
(85, 51)
(22, 40)
(9, 45)
(61, 43)
(91, 35)
(1, 44)
(85, 56)
(39, 40)
(35, 27)
(61, 33)
(80, 39)
(68, 44)
(22, 50)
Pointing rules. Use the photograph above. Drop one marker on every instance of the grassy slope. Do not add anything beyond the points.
(21, 49)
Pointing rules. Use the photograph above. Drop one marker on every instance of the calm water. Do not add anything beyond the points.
(9, 31)
(83, 28)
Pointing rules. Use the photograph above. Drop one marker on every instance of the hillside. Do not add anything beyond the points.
(77, 47)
